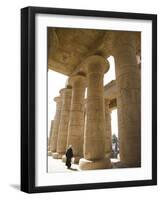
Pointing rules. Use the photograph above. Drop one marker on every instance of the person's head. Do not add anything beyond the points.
(70, 146)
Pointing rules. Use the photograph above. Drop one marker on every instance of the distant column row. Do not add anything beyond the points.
(87, 132)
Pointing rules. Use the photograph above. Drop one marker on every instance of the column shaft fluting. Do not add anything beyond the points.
(94, 138)
(128, 99)
(76, 120)
(64, 120)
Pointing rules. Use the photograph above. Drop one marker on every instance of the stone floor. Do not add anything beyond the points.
(56, 165)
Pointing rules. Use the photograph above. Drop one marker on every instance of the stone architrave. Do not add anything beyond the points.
(76, 120)
(55, 129)
(64, 120)
(108, 144)
(94, 136)
(128, 99)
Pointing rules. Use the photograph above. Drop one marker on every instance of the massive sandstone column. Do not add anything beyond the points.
(64, 120)
(49, 139)
(94, 138)
(76, 120)
(108, 144)
(128, 99)
(55, 128)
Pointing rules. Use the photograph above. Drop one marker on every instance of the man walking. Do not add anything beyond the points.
(69, 155)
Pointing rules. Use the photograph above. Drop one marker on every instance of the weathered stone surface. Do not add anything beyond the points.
(108, 136)
(84, 52)
(94, 138)
(85, 164)
(73, 48)
(56, 122)
(64, 120)
(128, 99)
(76, 118)
(50, 135)
(68, 47)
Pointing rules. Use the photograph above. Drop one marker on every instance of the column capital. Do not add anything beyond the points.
(124, 46)
(96, 64)
(77, 81)
(124, 43)
(66, 91)
(57, 99)
(124, 38)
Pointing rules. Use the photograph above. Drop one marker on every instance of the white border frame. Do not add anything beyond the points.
(94, 176)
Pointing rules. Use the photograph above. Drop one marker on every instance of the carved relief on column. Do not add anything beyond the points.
(64, 120)
(94, 138)
(55, 129)
(108, 144)
(76, 120)
(128, 98)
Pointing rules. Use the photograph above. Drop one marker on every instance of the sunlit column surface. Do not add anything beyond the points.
(50, 137)
(128, 98)
(55, 127)
(76, 120)
(94, 138)
(64, 120)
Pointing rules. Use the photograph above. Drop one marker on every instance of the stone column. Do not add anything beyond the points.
(55, 129)
(49, 139)
(64, 120)
(128, 99)
(76, 121)
(94, 138)
(108, 144)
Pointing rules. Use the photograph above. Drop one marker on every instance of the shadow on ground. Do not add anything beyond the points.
(15, 186)
(73, 169)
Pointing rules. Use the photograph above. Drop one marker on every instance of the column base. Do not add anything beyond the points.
(76, 159)
(130, 165)
(94, 164)
(50, 153)
(56, 155)
(64, 158)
